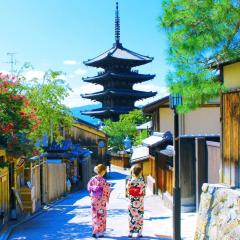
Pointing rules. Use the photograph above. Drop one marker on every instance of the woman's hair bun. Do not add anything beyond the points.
(136, 170)
(100, 168)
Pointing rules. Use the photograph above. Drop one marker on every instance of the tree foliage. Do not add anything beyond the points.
(17, 117)
(46, 97)
(200, 33)
(31, 109)
(126, 126)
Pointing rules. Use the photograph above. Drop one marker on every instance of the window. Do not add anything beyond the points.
(1, 160)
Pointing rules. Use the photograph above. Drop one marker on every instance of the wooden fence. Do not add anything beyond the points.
(230, 111)
(214, 162)
(121, 160)
(36, 184)
(4, 193)
(56, 180)
(164, 173)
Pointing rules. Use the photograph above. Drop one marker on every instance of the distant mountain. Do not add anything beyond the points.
(76, 113)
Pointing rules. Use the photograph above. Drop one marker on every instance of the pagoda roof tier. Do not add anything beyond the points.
(134, 77)
(118, 55)
(114, 92)
(108, 111)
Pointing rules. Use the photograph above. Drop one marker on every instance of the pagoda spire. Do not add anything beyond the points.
(117, 26)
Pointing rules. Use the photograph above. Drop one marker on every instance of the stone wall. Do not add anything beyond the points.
(219, 213)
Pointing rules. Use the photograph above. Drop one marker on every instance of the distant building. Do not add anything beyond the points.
(90, 137)
(117, 79)
(196, 129)
(203, 120)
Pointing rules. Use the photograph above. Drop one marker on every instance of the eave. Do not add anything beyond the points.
(120, 93)
(162, 102)
(108, 111)
(90, 129)
(132, 76)
(118, 55)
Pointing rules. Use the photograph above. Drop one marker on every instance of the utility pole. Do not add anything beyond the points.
(12, 62)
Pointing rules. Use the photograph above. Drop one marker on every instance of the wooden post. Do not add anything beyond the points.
(201, 167)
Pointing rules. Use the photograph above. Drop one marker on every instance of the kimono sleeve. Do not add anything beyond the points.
(128, 185)
(106, 190)
(90, 183)
(143, 187)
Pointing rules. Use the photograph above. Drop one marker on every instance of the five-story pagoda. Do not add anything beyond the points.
(117, 79)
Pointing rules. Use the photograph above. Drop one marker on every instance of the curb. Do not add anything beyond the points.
(7, 230)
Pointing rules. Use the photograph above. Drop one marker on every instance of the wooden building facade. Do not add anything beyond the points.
(203, 120)
(203, 123)
(90, 137)
(230, 116)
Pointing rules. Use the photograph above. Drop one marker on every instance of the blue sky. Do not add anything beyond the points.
(61, 34)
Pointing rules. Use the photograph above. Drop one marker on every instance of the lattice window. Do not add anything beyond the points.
(2, 159)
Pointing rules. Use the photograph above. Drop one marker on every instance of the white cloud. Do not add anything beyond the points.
(4, 72)
(162, 91)
(80, 72)
(63, 77)
(75, 100)
(29, 75)
(69, 62)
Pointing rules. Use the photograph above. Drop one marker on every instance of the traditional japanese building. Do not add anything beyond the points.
(117, 79)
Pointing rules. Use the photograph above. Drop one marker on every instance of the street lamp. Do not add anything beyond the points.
(127, 146)
(174, 101)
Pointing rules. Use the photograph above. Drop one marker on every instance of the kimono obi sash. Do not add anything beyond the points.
(96, 191)
(135, 192)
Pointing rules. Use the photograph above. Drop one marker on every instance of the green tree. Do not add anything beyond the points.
(126, 126)
(17, 118)
(200, 34)
(46, 97)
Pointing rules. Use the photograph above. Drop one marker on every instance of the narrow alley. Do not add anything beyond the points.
(71, 218)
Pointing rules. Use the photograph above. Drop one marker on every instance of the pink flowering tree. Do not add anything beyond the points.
(17, 117)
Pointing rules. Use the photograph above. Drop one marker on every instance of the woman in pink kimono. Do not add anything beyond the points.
(99, 191)
(136, 192)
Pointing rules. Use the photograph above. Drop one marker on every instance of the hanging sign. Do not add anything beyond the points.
(20, 162)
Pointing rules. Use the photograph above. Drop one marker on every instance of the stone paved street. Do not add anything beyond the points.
(71, 218)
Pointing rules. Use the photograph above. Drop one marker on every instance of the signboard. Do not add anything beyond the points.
(20, 162)
(19, 200)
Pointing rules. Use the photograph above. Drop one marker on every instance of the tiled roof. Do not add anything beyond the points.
(108, 110)
(140, 153)
(120, 92)
(116, 53)
(133, 77)
(146, 125)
